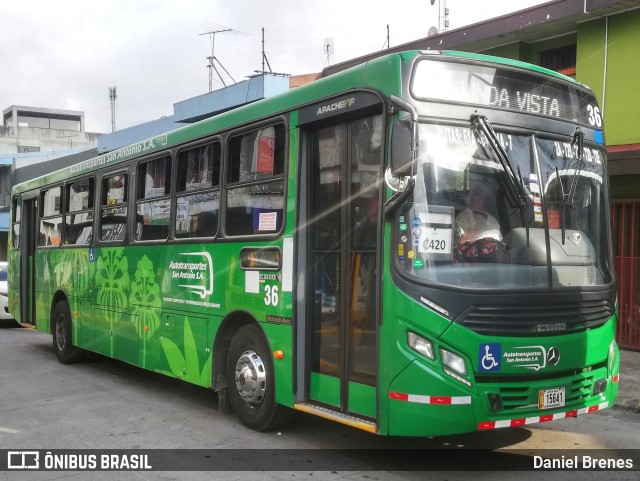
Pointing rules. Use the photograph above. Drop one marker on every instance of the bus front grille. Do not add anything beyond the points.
(536, 320)
(524, 395)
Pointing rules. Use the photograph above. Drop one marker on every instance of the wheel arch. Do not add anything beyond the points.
(57, 297)
(230, 325)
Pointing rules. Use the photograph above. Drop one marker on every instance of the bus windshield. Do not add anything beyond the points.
(467, 227)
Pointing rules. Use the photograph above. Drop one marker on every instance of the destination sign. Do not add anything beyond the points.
(504, 89)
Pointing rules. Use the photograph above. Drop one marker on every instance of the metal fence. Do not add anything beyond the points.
(626, 249)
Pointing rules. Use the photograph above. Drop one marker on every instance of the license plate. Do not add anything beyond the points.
(551, 398)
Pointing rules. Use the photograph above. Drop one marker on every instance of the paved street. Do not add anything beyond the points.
(105, 404)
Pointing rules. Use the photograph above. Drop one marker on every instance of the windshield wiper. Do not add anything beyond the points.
(563, 206)
(567, 198)
(578, 140)
(516, 188)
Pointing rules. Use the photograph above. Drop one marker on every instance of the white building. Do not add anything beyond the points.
(30, 136)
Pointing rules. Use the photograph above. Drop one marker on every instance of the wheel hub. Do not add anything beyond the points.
(60, 338)
(251, 378)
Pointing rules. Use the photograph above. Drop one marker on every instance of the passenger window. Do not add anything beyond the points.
(153, 205)
(255, 198)
(198, 195)
(113, 210)
(50, 233)
(79, 217)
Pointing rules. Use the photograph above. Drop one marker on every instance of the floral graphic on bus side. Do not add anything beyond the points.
(72, 268)
(145, 302)
(112, 283)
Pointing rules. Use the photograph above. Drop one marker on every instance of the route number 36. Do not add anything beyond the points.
(595, 117)
(271, 295)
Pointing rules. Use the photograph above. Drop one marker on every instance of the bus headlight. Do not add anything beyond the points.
(453, 362)
(420, 345)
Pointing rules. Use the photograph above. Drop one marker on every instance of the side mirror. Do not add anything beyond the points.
(401, 148)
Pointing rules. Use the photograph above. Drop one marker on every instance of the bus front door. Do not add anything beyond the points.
(344, 220)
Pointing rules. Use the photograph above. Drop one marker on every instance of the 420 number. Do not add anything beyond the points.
(435, 245)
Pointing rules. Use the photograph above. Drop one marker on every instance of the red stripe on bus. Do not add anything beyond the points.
(486, 425)
(440, 400)
(399, 396)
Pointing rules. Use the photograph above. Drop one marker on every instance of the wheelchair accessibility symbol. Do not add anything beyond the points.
(489, 357)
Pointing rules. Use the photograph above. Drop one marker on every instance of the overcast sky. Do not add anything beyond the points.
(65, 54)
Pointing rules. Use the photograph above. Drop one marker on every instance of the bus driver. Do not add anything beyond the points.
(480, 236)
(475, 222)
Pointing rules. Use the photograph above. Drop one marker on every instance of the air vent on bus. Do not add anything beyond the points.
(537, 320)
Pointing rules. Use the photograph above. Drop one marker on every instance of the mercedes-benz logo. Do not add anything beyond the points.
(553, 356)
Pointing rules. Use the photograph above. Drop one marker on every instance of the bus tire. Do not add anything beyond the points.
(62, 338)
(251, 381)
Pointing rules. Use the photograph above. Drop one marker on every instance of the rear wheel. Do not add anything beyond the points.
(251, 382)
(61, 330)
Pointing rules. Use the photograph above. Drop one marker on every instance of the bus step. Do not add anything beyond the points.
(341, 418)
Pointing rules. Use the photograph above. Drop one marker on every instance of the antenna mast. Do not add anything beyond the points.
(264, 56)
(112, 98)
(388, 41)
(212, 58)
(265, 63)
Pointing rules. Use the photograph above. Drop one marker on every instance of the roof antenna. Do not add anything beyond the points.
(265, 60)
(214, 63)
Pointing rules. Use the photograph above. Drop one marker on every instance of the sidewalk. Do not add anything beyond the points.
(629, 389)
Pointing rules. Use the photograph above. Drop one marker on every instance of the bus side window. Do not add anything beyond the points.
(113, 209)
(50, 233)
(153, 204)
(197, 190)
(78, 227)
(255, 198)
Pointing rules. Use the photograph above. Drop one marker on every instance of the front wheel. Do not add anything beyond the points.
(61, 330)
(251, 381)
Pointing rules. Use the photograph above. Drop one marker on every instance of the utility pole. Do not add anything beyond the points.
(112, 98)
(443, 17)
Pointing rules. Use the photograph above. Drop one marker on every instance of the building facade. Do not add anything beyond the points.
(30, 136)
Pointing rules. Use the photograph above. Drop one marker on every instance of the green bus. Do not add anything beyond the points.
(415, 246)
